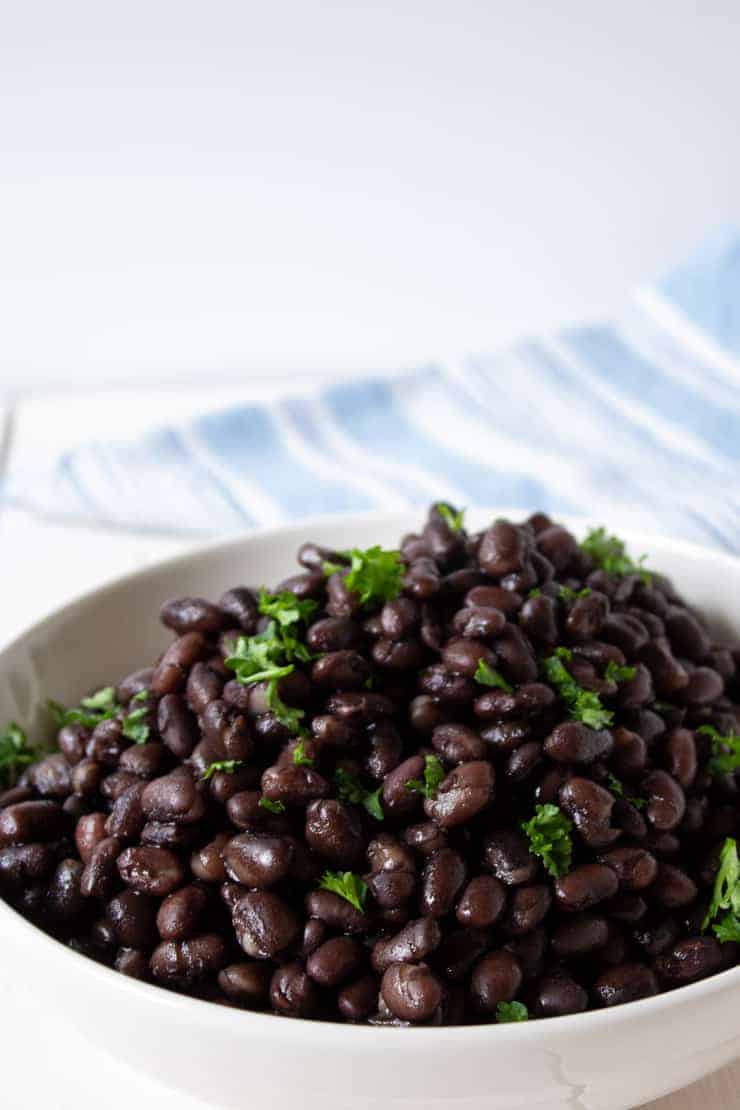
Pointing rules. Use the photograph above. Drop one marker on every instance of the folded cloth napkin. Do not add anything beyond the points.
(637, 419)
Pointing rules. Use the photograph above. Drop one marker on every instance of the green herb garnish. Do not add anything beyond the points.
(549, 838)
(536, 592)
(615, 673)
(434, 772)
(488, 676)
(610, 554)
(287, 715)
(135, 726)
(511, 1011)
(349, 789)
(100, 706)
(726, 895)
(374, 575)
(584, 705)
(347, 885)
(617, 789)
(454, 520)
(725, 750)
(226, 766)
(299, 755)
(270, 806)
(15, 754)
(567, 595)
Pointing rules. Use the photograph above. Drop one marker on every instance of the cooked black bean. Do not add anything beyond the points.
(413, 943)
(634, 867)
(507, 854)
(246, 983)
(462, 794)
(133, 916)
(170, 673)
(559, 994)
(574, 742)
(443, 877)
(187, 961)
(179, 914)
(482, 902)
(585, 886)
(625, 983)
(335, 961)
(258, 860)
(526, 909)
(689, 960)
(579, 935)
(264, 924)
(150, 870)
(666, 800)
(357, 1000)
(496, 978)
(99, 876)
(27, 822)
(24, 864)
(411, 991)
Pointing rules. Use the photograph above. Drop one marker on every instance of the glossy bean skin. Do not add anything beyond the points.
(585, 886)
(411, 991)
(482, 902)
(29, 822)
(496, 978)
(258, 860)
(442, 880)
(248, 984)
(170, 674)
(559, 994)
(412, 944)
(462, 794)
(188, 960)
(179, 913)
(625, 983)
(335, 961)
(265, 925)
(150, 870)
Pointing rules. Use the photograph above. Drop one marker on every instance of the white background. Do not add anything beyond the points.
(226, 187)
(203, 193)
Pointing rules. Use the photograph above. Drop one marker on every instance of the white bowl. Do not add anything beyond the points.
(606, 1060)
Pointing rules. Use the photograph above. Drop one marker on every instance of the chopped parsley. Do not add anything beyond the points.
(567, 595)
(549, 838)
(286, 608)
(347, 885)
(610, 554)
(135, 726)
(511, 1011)
(434, 772)
(583, 705)
(726, 895)
(349, 789)
(454, 520)
(226, 766)
(374, 575)
(617, 789)
(100, 706)
(725, 750)
(488, 676)
(615, 673)
(299, 755)
(269, 655)
(15, 754)
(536, 592)
(270, 806)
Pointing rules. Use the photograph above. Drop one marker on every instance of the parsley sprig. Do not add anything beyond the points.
(615, 673)
(617, 789)
(349, 789)
(549, 836)
(455, 519)
(583, 705)
(489, 676)
(226, 766)
(726, 895)
(725, 750)
(610, 554)
(375, 575)
(300, 756)
(271, 654)
(347, 885)
(511, 1011)
(270, 805)
(567, 595)
(15, 754)
(102, 706)
(434, 772)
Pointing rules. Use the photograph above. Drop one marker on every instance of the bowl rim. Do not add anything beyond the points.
(564, 1026)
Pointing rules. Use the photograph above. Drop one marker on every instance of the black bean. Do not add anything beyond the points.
(150, 870)
(258, 859)
(466, 791)
(25, 864)
(442, 880)
(179, 914)
(341, 670)
(335, 961)
(666, 800)
(496, 978)
(99, 876)
(133, 916)
(264, 924)
(336, 912)
(585, 886)
(187, 961)
(411, 991)
(240, 606)
(625, 983)
(192, 614)
(292, 992)
(559, 994)
(634, 867)
(579, 935)
(457, 743)
(28, 822)
(357, 1000)
(507, 854)
(413, 943)
(526, 909)
(574, 742)
(481, 903)
(170, 673)
(246, 983)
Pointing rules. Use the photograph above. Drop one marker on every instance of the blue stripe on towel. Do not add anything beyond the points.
(706, 288)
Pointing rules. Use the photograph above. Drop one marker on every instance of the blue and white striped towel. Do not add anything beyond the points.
(638, 419)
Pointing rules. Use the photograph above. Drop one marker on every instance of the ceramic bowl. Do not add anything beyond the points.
(605, 1060)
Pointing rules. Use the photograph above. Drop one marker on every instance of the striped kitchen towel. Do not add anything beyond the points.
(635, 419)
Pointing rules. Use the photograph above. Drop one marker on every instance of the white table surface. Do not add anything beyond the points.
(42, 566)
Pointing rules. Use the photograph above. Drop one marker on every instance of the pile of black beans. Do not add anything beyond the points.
(213, 881)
